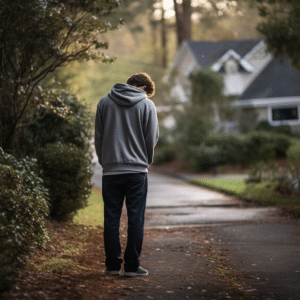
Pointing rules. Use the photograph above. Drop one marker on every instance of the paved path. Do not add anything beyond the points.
(262, 247)
(173, 202)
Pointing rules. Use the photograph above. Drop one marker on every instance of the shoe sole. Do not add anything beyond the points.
(133, 274)
(112, 273)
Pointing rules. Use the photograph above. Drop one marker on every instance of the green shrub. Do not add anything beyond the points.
(67, 172)
(204, 157)
(23, 208)
(267, 145)
(293, 155)
(233, 147)
(190, 129)
(75, 127)
(293, 158)
(164, 154)
(266, 127)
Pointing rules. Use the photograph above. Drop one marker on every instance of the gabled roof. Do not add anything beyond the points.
(278, 79)
(207, 53)
(218, 65)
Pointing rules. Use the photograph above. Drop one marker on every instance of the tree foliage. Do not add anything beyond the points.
(37, 37)
(68, 121)
(281, 27)
(207, 87)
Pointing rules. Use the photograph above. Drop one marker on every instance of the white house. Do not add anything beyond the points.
(262, 84)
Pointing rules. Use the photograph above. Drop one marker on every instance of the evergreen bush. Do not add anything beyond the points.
(164, 154)
(67, 172)
(74, 126)
(293, 154)
(233, 148)
(205, 157)
(23, 209)
(265, 145)
(266, 127)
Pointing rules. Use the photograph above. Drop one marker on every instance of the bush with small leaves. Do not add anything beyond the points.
(268, 145)
(266, 127)
(233, 147)
(204, 157)
(246, 149)
(23, 209)
(74, 126)
(67, 172)
(164, 154)
(293, 158)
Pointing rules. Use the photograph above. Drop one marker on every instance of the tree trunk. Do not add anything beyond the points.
(154, 41)
(183, 15)
(187, 18)
(164, 39)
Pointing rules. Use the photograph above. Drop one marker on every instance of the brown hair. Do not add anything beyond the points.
(143, 79)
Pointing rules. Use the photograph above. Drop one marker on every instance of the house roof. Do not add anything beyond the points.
(278, 79)
(207, 53)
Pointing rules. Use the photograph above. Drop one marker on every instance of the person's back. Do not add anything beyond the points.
(127, 135)
(126, 131)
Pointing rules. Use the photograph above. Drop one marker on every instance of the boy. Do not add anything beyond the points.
(126, 132)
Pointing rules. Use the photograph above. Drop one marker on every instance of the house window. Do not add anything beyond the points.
(284, 115)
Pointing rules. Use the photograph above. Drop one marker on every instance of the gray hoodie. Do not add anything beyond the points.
(126, 130)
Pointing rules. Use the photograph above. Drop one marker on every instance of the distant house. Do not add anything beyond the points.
(265, 88)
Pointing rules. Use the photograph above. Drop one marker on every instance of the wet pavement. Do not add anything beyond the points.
(260, 245)
(172, 202)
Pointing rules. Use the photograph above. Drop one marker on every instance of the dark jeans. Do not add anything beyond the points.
(133, 187)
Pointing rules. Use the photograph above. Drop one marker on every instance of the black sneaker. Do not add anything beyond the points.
(139, 272)
(111, 272)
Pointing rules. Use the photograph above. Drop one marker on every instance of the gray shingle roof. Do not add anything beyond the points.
(278, 79)
(207, 53)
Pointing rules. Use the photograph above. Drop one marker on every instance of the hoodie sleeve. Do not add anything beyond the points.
(151, 133)
(99, 134)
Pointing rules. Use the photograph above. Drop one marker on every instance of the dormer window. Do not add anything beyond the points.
(241, 69)
(231, 63)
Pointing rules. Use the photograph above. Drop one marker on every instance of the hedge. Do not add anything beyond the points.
(235, 148)
(67, 172)
(23, 209)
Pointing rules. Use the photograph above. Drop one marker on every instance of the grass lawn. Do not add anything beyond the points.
(263, 193)
(93, 214)
(234, 186)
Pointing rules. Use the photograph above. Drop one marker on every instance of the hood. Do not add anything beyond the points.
(126, 94)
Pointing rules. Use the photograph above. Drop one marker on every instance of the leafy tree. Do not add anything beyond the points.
(195, 121)
(37, 37)
(281, 27)
(207, 88)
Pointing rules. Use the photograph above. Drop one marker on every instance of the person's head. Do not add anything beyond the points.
(144, 82)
